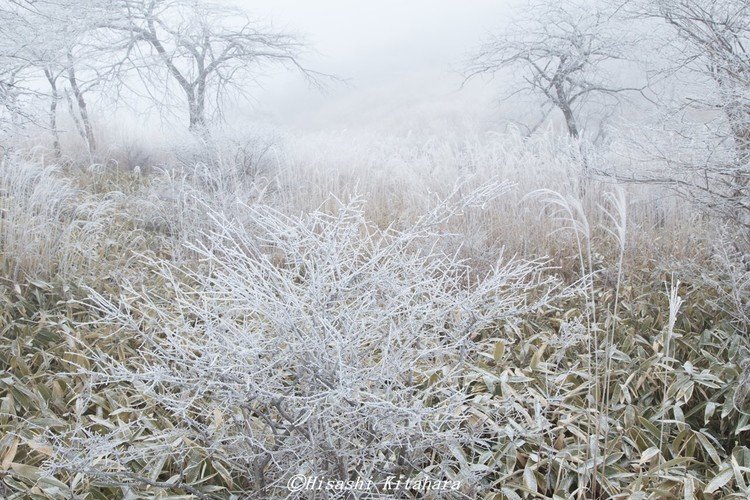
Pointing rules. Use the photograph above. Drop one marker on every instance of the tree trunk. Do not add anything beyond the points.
(196, 108)
(573, 132)
(197, 104)
(82, 109)
(55, 97)
(73, 115)
(197, 118)
(737, 111)
(570, 121)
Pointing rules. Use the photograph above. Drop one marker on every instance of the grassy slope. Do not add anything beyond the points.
(667, 421)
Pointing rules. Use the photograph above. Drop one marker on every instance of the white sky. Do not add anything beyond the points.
(396, 54)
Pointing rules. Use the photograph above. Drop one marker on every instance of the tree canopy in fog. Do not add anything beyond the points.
(188, 55)
(563, 52)
(207, 49)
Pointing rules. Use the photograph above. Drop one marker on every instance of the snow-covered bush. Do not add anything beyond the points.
(315, 344)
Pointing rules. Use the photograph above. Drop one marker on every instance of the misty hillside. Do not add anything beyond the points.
(422, 250)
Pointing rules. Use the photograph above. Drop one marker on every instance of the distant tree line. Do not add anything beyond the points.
(186, 55)
(692, 60)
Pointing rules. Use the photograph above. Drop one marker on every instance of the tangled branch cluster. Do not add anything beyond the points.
(314, 344)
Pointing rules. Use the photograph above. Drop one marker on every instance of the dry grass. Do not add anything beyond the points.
(139, 308)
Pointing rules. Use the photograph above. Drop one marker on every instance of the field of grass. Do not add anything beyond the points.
(214, 319)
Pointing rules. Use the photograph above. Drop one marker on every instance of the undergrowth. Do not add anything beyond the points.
(160, 338)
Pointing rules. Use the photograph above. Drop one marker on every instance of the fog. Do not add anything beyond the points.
(401, 285)
(392, 55)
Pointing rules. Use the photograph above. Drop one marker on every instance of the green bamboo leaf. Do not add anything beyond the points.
(529, 480)
(708, 447)
(720, 480)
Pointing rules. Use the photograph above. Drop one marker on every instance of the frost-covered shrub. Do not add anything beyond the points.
(223, 160)
(314, 344)
(729, 275)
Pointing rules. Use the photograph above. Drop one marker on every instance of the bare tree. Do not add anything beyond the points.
(14, 36)
(198, 50)
(59, 52)
(562, 52)
(206, 49)
(708, 46)
(54, 99)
